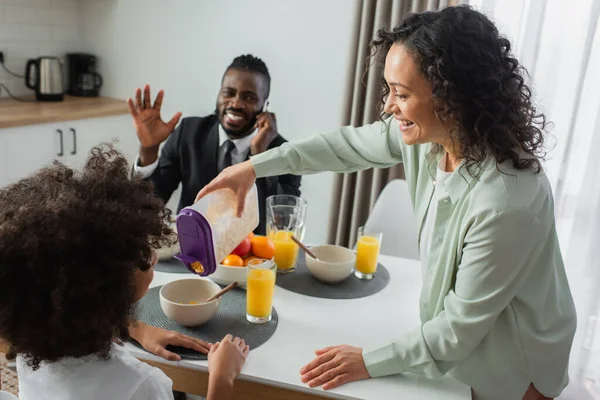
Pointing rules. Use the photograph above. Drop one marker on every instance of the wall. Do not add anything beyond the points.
(184, 48)
(30, 28)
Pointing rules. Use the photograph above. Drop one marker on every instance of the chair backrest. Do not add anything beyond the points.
(7, 396)
(393, 214)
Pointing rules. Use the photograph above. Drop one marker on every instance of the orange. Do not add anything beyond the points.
(263, 247)
(233, 260)
(248, 259)
(251, 235)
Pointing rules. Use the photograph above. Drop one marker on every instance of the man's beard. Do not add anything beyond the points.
(241, 132)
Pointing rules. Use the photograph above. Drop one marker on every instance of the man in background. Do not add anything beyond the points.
(200, 147)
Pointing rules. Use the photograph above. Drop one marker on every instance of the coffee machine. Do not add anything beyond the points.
(84, 81)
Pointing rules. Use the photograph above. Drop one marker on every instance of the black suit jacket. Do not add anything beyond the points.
(190, 156)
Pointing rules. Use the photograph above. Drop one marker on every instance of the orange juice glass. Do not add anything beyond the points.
(259, 290)
(286, 250)
(367, 252)
(286, 216)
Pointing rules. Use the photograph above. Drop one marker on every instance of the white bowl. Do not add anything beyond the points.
(335, 263)
(175, 298)
(225, 275)
(167, 253)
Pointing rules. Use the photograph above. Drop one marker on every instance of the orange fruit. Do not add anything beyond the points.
(248, 259)
(251, 235)
(233, 260)
(263, 247)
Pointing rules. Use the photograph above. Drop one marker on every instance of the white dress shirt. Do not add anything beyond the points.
(238, 155)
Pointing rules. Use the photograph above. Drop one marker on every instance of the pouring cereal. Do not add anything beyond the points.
(209, 229)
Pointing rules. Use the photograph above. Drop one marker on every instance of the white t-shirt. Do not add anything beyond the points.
(122, 377)
(427, 231)
(238, 154)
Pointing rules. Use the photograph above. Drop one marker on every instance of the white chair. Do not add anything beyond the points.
(7, 396)
(393, 214)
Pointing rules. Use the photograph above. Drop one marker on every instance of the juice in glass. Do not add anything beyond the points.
(367, 253)
(259, 290)
(286, 217)
(286, 250)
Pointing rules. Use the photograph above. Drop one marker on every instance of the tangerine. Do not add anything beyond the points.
(233, 260)
(248, 259)
(263, 247)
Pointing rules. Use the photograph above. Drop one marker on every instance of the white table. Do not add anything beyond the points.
(308, 323)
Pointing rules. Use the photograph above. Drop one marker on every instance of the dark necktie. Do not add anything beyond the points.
(225, 155)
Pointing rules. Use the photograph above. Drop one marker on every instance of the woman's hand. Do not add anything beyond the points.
(239, 178)
(155, 340)
(335, 366)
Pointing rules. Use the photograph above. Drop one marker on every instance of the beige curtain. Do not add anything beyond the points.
(354, 194)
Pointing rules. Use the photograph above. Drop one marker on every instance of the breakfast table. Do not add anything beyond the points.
(310, 323)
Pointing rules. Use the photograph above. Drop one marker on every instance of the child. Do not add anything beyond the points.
(76, 253)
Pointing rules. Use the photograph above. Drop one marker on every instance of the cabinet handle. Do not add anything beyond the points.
(74, 132)
(60, 136)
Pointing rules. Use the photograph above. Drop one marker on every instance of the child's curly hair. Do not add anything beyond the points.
(70, 243)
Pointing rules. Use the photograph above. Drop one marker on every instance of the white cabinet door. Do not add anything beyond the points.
(83, 135)
(24, 150)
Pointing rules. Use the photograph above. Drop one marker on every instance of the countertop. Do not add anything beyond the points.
(16, 113)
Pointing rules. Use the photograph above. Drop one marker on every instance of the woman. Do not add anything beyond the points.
(496, 309)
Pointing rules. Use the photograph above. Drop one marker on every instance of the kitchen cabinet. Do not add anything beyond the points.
(83, 135)
(25, 149)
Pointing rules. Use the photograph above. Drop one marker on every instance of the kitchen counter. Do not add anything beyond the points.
(15, 113)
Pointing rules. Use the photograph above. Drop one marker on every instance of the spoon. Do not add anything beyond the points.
(232, 285)
(303, 247)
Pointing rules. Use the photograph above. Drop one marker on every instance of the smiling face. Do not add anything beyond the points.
(410, 100)
(241, 99)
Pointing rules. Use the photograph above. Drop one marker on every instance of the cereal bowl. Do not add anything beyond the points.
(184, 301)
(167, 253)
(334, 264)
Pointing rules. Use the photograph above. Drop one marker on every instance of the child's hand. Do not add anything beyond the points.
(155, 340)
(225, 360)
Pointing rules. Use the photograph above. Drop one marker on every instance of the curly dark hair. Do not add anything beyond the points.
(71, 244)
(478, 86)
(248, 62)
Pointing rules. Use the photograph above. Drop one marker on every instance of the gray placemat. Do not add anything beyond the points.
(230, 319)
(173, 266)
(303, 282)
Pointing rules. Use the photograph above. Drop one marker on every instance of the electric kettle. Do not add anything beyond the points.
(45, 76)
